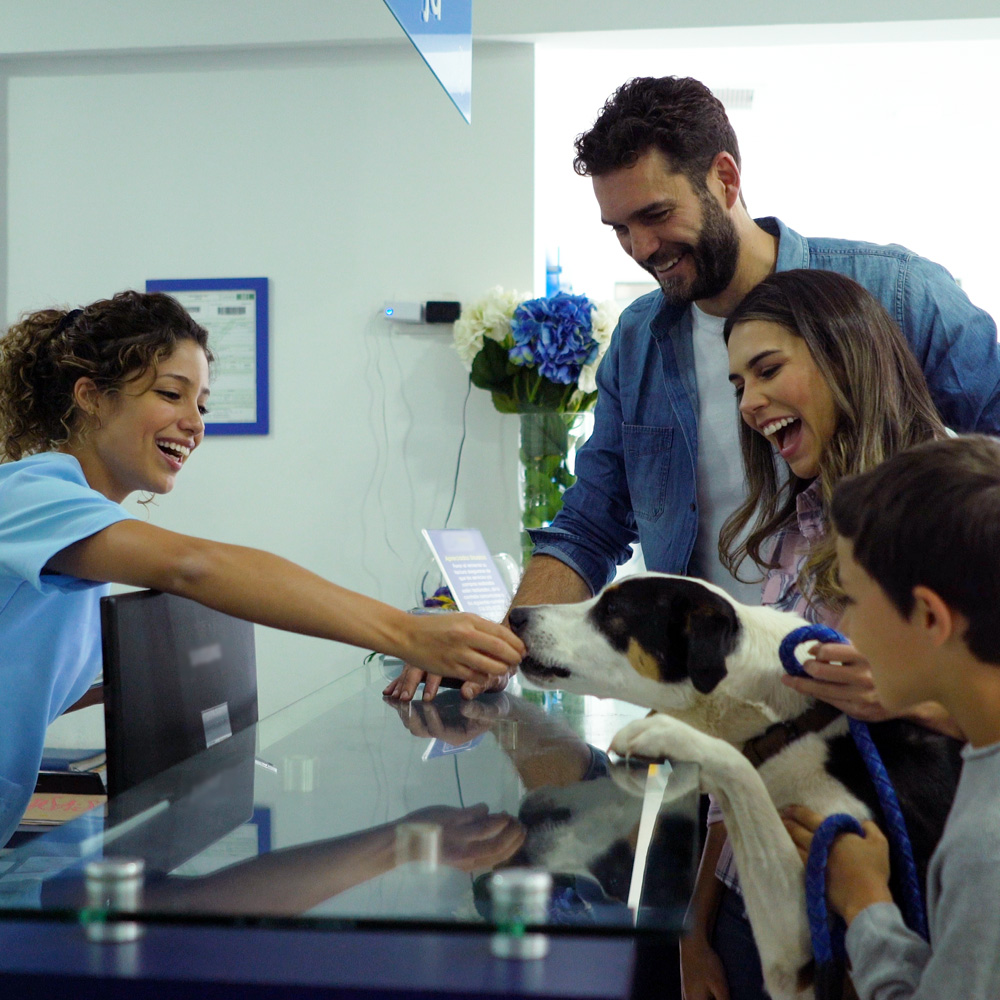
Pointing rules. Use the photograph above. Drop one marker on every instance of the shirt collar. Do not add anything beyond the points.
(793, 250)
(809, 512)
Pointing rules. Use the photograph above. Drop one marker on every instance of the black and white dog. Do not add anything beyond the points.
(709, 666)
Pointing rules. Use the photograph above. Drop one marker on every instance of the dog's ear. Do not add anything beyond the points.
(670, 628)
(704, 631)
(710, 634)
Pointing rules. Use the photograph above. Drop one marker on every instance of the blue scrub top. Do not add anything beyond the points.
(50, 627)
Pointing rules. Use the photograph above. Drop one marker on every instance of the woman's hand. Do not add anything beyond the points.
(481, 653)
(461, 645)
(841, 676)
(857, 871)
(703, 976)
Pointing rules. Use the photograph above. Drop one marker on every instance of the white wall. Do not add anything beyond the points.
(297, 140)
(346, 177)
(49, 26)
(866, 140)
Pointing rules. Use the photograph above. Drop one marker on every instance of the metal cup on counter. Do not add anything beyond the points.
(419, 844)
(519, 897)
(113, 886)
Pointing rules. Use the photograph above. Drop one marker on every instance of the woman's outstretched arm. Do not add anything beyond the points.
(267, 589)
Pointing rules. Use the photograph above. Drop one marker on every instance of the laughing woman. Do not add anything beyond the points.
(102, 402)
(826, 387)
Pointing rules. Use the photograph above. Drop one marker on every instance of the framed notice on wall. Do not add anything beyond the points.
(234, 311)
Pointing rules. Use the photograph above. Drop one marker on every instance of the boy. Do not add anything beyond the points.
(919, 557)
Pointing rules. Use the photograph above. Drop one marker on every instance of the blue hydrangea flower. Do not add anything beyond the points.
(554, 334)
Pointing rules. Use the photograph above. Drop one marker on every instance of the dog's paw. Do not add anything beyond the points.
(658, 737)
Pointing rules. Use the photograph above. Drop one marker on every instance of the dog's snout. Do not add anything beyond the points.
(519, 618)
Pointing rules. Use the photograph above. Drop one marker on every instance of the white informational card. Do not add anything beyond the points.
(440, 748)
(469, 570)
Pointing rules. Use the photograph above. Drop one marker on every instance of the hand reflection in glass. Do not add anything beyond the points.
(546, 750)
(454, 722)
(405, 685)
(292, 880)
(472, 838)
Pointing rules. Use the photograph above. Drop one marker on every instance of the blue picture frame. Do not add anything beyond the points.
(261, 422)
(261, 818)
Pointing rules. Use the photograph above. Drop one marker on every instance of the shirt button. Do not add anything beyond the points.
(694, 506)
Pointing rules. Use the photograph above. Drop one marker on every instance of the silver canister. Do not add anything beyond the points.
(114, 886)
(519, 897)
(506, 733)
(419, 844)
(299, 773)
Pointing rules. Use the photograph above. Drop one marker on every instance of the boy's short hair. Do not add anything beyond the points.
(930, 516)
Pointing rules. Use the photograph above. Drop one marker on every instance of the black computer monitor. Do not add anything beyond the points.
(178, 677)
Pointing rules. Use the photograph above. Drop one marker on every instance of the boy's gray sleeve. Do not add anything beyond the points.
(887, 958)
(890, 962)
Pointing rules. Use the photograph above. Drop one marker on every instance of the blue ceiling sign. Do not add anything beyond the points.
(441, 31)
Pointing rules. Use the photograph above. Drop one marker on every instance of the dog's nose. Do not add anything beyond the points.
(518, 618)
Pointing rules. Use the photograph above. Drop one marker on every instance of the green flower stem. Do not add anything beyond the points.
(548, 439)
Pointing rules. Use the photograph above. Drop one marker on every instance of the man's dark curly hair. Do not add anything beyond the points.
(679, 116)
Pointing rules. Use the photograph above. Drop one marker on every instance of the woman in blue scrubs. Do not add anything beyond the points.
(99, 403)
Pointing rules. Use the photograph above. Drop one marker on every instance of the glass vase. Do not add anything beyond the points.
(549, 442)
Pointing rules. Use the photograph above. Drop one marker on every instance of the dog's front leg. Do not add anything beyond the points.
(771, 872)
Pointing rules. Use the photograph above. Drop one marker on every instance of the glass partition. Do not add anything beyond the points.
(347, 809)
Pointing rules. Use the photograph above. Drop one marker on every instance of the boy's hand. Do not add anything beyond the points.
(841, 676)
(857, 874)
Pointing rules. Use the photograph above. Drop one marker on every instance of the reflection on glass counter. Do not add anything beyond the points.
(349, 809)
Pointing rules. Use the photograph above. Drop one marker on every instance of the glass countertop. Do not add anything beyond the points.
(348, 809)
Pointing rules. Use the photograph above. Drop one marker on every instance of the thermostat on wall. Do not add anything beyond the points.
(422, 312)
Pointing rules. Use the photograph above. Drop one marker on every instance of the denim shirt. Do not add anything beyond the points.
(636, 473)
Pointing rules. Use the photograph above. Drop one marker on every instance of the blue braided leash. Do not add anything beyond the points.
(829, 945)
(827, 935)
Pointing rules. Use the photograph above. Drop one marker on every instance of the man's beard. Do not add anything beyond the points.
(715, 256)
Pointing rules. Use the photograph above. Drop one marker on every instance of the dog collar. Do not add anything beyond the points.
(775, 738)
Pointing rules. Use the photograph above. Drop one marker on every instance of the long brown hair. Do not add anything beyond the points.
(882, 402)
(111, 341)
